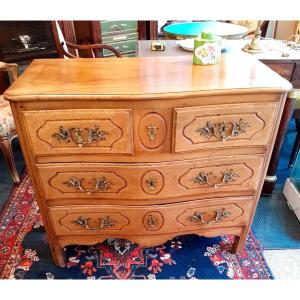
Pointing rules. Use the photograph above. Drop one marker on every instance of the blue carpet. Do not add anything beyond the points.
(275, 225)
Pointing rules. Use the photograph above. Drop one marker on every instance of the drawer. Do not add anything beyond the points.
(117, 26)
(210, 177)
(219, 126)
(53, 132)
(123, 47)
(119, 38)
(153, 219)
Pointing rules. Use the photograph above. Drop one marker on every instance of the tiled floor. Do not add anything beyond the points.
(284, 264)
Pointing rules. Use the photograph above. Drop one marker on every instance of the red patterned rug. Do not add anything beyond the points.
(24, 252)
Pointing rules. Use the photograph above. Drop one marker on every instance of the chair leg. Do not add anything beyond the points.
(6, 147)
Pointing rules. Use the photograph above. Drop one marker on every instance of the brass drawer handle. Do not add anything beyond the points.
(228, 176)
(77, 135)
(119, 27)
(218, 130)
(101, 184)
(104, 223)
(198, 217)
(151, 132)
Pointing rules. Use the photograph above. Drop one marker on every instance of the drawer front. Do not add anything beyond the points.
(119, 38)
(220, 176)
(79, 131)
(218, 126)
(117, 26)
(123, 47)
(154, 219)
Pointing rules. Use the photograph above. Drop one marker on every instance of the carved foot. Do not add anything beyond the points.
(58, 255)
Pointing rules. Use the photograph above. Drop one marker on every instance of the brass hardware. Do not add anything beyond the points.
(211, 129)
(255, 46)
(151, 183)
(152, 221)
(208, 131)
(101, 184)
(63, 135)
(105, 222)
(202, 178)
(77, 135)
(152, 132)
(198, 217)
(82, 222)
(228, 176)
(158, 46)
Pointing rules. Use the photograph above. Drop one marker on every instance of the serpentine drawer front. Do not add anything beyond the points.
(230, 175)
(169, 218)
(79, 131)
(219, 126)
(146, 148)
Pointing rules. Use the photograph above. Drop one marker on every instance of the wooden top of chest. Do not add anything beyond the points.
(143, 78)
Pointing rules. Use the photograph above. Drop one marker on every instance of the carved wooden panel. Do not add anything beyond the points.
(87, 182)
(153, 220)
(74, 221)
(79, 131)
(153, 130)
(218, 126)
(230, 175)
(152, 182)
(211, 215)
(216, 176)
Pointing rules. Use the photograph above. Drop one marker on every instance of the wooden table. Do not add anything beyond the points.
(287, 67)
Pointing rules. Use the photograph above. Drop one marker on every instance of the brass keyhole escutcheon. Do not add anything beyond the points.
(151, 183)
(152, 132)
(153, 220)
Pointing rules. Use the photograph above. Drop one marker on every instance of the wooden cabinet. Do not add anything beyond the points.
(146, 148)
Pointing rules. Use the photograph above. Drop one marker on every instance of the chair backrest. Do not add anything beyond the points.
(90, 50)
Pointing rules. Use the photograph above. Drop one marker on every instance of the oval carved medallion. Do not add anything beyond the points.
(152, 130)
(152, 182)
(153, 220)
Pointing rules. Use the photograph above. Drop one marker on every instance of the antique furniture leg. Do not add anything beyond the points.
(58, 254)
(271, 178)
(5, 145)
(239, 242)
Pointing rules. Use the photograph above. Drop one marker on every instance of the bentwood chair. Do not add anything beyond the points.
(87, 50)
(7, 124)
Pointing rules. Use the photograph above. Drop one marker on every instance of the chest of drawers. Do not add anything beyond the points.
(146, 148)
(122, 35)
